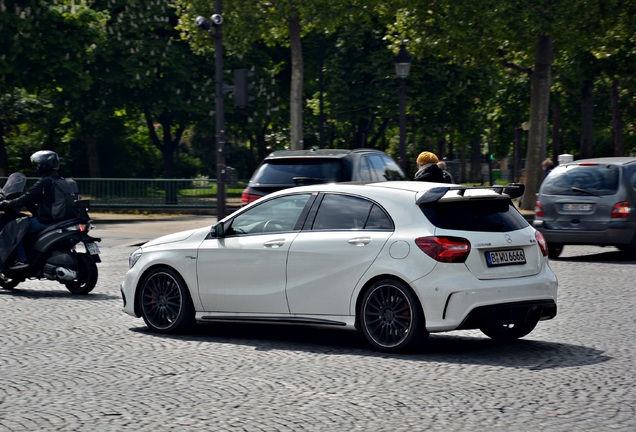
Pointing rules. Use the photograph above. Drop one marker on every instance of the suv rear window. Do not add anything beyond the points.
(493, 215)
(283, 172)
(582, 180)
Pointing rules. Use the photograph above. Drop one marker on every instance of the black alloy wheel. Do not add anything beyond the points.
(166, 306)
(391, 317)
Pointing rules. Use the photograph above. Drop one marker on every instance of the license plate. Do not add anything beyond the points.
(576, 207)
(507, 257)
(92, 248)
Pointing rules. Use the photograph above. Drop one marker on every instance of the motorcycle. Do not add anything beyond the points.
(53, 254)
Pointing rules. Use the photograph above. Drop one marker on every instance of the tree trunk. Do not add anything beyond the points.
(617, 122)
(94, 170)
(556, 129)
(541, 81)
(587, 119)
(296, 93)
(516, 153)
(475, 162)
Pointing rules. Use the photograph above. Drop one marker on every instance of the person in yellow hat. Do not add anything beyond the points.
(428, 169)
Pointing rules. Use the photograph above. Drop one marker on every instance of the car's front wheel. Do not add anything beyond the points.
(166, 306)
(391, 317)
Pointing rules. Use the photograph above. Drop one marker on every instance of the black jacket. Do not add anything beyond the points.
(430, 173)
(38, 199)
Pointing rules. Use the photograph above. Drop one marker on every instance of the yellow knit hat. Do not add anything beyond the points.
(427, 157)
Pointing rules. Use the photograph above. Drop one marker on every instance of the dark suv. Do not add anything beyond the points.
(288, 168)
(589, 202)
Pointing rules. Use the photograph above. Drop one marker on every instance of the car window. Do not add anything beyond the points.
(284, 171)
(278, 214)
(582, 180)
(345, 212)
(391, 169)
(496, 215)
(364, 173)
(378, 167)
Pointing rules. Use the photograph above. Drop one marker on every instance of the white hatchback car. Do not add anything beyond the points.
(395, 260)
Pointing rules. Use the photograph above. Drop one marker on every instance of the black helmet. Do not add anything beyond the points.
(46, 161)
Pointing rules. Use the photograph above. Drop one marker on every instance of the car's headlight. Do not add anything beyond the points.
(134, 257)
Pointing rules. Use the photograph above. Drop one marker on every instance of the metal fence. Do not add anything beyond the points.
(187, 195)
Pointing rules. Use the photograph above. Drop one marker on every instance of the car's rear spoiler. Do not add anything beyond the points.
(513, 190)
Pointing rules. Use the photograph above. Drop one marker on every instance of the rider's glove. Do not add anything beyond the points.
(4, 205)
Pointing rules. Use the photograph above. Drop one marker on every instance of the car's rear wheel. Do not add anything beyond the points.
(166, 306)
(554, 250)
(510, 331)
(391, 317)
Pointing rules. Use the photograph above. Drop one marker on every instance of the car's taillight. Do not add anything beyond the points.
(543, 245)
(445, 249)
(538, 209)
(621, 210)
(247, 197)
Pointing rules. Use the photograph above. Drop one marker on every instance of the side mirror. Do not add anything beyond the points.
(218, 230)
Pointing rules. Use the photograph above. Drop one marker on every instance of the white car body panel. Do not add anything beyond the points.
(323, 270)
(258, 287)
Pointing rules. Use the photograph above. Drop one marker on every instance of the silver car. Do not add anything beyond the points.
(589, 202)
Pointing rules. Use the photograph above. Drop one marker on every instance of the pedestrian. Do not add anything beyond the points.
(427, 169)
(448, 177)
(38, 200)
(547, 166)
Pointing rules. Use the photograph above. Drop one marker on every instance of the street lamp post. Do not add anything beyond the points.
(402, 63)
(215, 22)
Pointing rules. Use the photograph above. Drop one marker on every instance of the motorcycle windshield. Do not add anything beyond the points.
(14, 186)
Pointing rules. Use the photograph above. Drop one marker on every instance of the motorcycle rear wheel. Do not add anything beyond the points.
(86, 276)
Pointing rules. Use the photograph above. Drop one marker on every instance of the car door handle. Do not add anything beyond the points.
(273, 244)
(360, 241)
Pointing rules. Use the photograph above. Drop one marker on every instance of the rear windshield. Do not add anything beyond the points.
(582, 180)
(304, 171)
(475, 215)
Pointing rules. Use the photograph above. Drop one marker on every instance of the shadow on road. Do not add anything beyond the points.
(613, 257)
(447, 348)
(60, 293)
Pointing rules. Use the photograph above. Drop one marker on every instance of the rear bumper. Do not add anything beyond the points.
(619, 234)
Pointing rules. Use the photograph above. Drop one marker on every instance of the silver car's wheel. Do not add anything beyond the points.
(165, 302)
(391, 318)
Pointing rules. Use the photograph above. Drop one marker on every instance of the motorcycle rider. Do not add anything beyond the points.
(38, 200)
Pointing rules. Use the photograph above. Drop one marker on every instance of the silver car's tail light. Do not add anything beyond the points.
(538, 209)
(445, 249)
(621, 210)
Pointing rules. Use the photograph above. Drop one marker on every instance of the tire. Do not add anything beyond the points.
(165, 303)
(86, 276)
(391, 317)
(509, 332)
(554, 250)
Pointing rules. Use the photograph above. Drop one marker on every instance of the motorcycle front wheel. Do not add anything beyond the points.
(86, 276)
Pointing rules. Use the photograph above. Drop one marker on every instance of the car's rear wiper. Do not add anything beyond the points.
(308, 180)
(585, 191)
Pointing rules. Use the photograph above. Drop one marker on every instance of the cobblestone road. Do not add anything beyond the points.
(79, 364)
